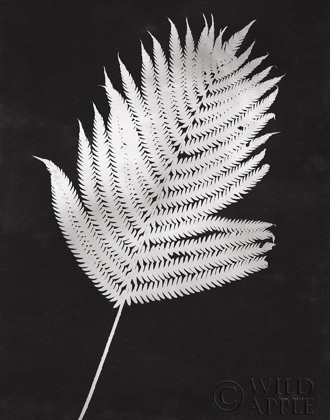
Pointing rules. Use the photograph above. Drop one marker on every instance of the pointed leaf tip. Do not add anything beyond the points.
(41, 159)
(48, 163)
(81, 129)
(152, 36)
(36, 157)
(79, 123)
(106, 79)
(248, 26)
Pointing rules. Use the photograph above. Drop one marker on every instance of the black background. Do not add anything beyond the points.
(167, 357)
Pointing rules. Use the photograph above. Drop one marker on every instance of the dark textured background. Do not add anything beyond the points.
(167, 357)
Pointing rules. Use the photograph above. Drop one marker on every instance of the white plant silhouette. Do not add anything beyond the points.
(173, 153)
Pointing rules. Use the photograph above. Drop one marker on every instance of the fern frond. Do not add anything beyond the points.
(174, 152)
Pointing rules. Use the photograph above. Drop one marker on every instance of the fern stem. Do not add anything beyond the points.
(104, 355)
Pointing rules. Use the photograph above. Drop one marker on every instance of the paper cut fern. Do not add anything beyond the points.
(173, 153)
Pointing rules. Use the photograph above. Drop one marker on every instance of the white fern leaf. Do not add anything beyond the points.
(173, 153)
